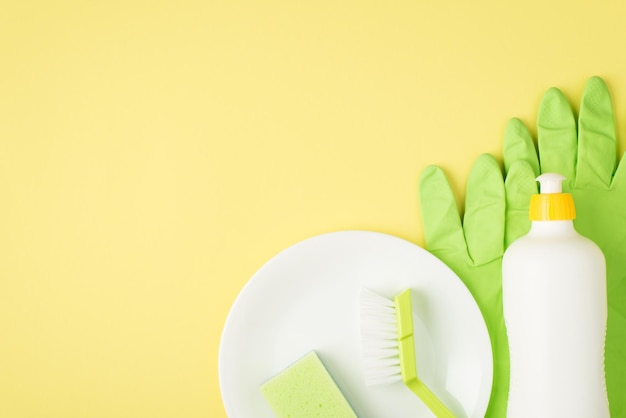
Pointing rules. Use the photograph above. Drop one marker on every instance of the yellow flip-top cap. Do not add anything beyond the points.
(552, 207)
(552, 204)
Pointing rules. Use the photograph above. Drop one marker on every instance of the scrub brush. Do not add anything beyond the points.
(389, 349)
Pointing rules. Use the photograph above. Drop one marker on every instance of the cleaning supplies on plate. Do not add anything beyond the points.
(389, 348)
(306, 390)
(555, 310)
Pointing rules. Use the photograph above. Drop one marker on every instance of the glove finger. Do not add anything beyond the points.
(556, 127)
(519, 185)
(597, 145)
(618, 184)
(443, 232)
(483, 222)
(519, 146)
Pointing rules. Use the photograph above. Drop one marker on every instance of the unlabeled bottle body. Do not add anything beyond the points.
(554, 296)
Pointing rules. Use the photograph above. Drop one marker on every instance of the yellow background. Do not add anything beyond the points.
(154, 154)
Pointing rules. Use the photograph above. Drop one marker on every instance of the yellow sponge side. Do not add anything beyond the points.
(306, 390)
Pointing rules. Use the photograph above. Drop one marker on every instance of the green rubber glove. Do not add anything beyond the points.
(496, 213)
(587, 157)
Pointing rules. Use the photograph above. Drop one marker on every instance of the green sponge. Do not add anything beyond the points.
(306, 390)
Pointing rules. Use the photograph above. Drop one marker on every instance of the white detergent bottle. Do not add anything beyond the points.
(555, 311)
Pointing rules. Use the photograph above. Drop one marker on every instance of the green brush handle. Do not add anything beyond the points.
(408, 364)
(429, 398)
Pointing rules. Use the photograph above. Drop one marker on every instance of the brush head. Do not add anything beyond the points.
(388, 346)
(379, 337)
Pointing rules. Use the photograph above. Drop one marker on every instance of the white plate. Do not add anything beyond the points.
(307, 298)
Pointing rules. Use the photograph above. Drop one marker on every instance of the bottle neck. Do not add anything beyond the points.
(552, 227)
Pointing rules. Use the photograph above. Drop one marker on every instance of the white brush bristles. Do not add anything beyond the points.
(379, 336)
